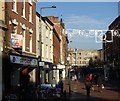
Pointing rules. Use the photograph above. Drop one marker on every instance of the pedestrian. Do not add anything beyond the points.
(60, 85)
(88, 85)
(91, 80)
(46, 82)
(75, 78)
(99, 82)
(53, 82)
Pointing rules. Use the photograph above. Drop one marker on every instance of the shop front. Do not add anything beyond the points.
(19, 73)
(45, 72)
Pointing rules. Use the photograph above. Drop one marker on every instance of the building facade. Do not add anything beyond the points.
(60, 29)
(79, 57)
(112, 49)
(19, 58)
(44, 47)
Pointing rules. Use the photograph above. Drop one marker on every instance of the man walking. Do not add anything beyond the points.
(88, 85)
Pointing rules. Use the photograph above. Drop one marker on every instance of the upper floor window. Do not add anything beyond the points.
(14, 4)
(30, 13)
(30, 1)
(47, 51)
(23, 8)
(23, 33)
(30, 42)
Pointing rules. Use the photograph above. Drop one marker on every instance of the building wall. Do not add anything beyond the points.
(2, 31)
(47, 42)
(19, 22)
(37, 36)
(44, 41)
(56, 47)
(80, 57)
(59, 25)
(112, 50)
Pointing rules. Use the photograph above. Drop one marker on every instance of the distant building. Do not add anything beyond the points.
(79, 57)
(101, 54)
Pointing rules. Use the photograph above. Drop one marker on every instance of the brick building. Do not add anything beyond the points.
(60, 28)
(56, 47)
(19, 58)
(112, 49)
(62, 61)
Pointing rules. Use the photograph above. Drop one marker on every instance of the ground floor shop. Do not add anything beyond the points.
(59, 71)
(19, 72)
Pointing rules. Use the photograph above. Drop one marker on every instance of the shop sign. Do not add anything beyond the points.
(23, 60)
(16, 40)
(41, 63)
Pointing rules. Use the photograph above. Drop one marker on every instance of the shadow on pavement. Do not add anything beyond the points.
(75, 96)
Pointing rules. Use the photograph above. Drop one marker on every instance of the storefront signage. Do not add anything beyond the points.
(16, 40)
(41, 63)
(23, 60)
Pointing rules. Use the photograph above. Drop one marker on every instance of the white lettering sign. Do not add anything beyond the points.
(23, 60)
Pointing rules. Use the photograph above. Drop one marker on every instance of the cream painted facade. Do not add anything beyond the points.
(44, 44)
(80, 57)
(47, 42)
(37, 36)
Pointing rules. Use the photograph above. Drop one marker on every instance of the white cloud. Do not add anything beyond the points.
(84, 22)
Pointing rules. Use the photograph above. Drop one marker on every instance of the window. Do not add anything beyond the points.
(47, 32)
(30, 42)
(23, 8)
(80, 62)
(30, 1)
(14, 29)
(42, 50)
(14, 5)
(30, 13)
(23, 33)
(47, 51)
(50, 52)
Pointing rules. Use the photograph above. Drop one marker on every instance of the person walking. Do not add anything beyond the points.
(60, 85)
(88, 85)
(99, 82)
(53, 82)
(91, 80)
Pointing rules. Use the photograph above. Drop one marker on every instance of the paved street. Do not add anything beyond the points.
(78, 92)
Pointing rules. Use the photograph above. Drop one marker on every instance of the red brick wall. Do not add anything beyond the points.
(56, 48)
(12, 15)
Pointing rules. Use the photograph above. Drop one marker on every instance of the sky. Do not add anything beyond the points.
(82, 20)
